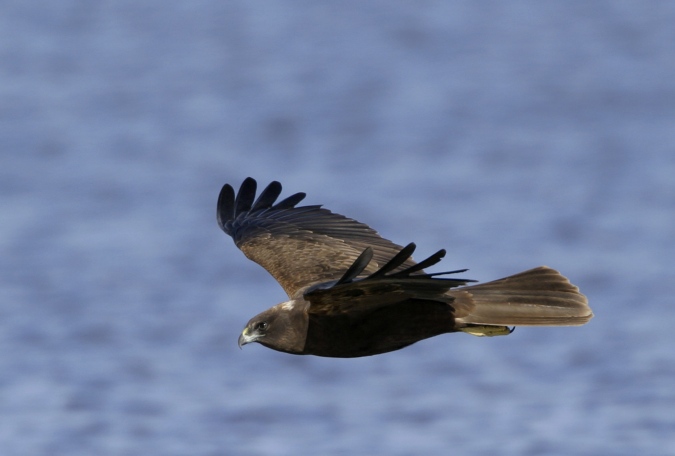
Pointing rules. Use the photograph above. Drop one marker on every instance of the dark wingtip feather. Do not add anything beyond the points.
(290, 202)
(432, 260)
(405, 253)
(245, 197)
(231, 205)
(456, 271)
(357, 267)
(267, 197)
(225, 206)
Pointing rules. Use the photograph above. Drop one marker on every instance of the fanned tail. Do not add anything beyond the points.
(537, 297)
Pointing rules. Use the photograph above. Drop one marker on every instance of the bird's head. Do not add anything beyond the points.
(282, 327)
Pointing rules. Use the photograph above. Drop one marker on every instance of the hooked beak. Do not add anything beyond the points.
(247, 338)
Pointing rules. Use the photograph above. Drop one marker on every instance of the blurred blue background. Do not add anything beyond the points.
(513, 134)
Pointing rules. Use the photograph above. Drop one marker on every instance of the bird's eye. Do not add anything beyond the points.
(261, 326)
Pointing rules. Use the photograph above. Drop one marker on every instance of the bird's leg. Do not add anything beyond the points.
(487, 330)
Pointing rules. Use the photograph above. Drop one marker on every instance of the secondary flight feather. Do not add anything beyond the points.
(353, 293)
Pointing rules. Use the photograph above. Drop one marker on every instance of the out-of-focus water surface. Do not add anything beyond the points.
(513, 134)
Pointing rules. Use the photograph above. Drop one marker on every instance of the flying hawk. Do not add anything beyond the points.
(353, 293)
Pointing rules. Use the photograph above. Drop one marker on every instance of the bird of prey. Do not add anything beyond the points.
(353, 293)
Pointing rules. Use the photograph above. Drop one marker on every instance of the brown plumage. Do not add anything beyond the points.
(353, 293)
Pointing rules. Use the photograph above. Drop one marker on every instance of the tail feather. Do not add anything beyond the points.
(538, 297)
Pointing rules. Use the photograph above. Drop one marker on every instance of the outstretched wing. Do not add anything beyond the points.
(299, 246)
(386, 286)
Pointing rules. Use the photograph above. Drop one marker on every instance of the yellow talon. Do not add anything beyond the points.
(487, 330)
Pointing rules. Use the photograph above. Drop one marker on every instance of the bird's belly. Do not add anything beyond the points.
(383, 330)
